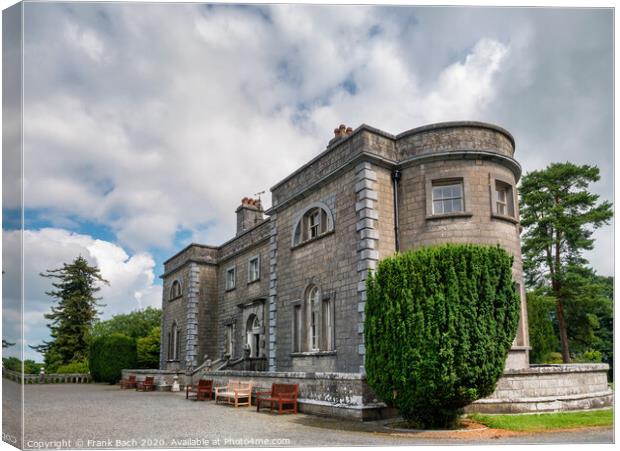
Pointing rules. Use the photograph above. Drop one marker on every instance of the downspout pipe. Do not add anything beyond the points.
(396, 182)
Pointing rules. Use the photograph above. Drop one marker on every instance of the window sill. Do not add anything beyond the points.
(230, 289)
(312, 240)
(505, 218)
(313, 353)
(254, 281)
(175, 298)
(173, 361)
(460, 214)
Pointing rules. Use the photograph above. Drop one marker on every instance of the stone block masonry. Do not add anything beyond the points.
(289, 290)
(366, 227)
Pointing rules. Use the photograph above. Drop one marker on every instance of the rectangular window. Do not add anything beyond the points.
(230, 278)
(328, 326)
(170, 347)
(504, 200)
(254, 269)
(447, 198)
(314, 223)
(228, 347)
(297, 328)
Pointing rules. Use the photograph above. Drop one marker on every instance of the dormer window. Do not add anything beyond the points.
(314, 222)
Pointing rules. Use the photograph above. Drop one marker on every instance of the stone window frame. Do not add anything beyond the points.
(301, 331)
(300, 224)
(171, 293)
(494, 179)
(230, 287)
(174, 343)
(250, 260)
(231, 323)
(447, 178)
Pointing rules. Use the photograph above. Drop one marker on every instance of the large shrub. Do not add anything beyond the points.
(148, 349)
(109, 354)
(439, 324)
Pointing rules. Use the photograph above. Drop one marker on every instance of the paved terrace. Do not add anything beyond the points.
(105, 414)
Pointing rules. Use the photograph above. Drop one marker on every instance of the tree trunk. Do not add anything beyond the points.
(559, 308)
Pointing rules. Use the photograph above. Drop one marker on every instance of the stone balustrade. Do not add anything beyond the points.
(42, 378)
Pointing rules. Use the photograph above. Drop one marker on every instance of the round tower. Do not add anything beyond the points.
(458, 184)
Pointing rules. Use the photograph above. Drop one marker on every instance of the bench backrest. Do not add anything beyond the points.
(284, 389)
(149, 380)
(131, 378)
(205, 383)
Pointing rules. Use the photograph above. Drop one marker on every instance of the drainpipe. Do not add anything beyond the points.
(395, 181)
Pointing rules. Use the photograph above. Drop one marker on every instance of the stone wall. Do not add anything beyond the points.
(342, 395)
(247, 298)
(548, 388)
(329, 262)
(454, 136)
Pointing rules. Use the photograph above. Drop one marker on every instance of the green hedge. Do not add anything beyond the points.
(439, 324)
(80, 367)
(110, 354)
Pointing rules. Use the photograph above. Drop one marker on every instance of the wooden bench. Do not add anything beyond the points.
(280, 395)
(201, 392)
(235, 392)
(148, 384)
(130, 382)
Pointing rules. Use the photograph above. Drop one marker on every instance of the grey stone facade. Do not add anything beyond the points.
(331, 221)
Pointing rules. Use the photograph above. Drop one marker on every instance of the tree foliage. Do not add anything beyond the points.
(439, 324)
(148, 349)
(75, 286)
(541, 320)
(136, 324)
(109, 354)
(559, 215)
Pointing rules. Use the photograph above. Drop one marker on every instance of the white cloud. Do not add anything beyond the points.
(152, 133)
(132, 280)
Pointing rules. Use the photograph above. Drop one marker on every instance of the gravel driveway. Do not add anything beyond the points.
(102, 416)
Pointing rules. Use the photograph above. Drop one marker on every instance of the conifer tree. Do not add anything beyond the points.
(72, 318)
(559, 215)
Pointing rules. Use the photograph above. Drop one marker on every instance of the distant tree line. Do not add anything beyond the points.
(80, 340)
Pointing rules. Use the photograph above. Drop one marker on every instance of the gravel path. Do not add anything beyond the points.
(102, 416)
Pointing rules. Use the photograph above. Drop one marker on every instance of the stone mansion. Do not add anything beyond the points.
(287, 293)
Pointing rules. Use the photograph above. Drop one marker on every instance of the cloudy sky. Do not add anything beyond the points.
(145, 124)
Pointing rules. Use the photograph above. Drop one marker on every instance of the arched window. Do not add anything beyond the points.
(313, 322)
(175, 289)
(313, 222)
(174, 342)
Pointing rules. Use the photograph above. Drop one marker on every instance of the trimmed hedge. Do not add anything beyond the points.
(439, 324)
(110, 354)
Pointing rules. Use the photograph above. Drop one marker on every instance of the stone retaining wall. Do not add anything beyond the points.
(548, 388)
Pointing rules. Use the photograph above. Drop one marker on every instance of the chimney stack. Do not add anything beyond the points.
(341, 132)
(249, 214)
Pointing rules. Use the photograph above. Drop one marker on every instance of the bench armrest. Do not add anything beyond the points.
(263, 393)
(219, 389)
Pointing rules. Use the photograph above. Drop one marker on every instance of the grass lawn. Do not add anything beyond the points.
(563, 420)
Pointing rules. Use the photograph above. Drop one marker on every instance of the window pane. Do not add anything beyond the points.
(501, 195)
(457, 204)
(457, 190)
(438, 207)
